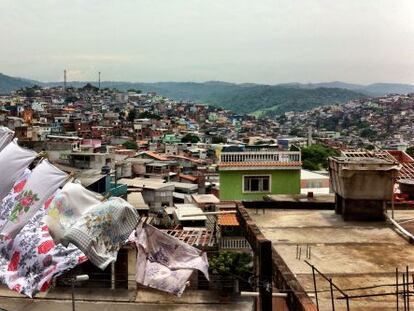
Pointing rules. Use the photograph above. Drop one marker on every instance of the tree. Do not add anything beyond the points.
(190, 138)
(148, 115)
(410, 151)
(71, 99)
(132, 115)
(315, 156)
(232, 265)
(295, 132)
(29, 91)
(90, 87)
(368, 133)
(218, 140)
(135, 90)
(130, 145)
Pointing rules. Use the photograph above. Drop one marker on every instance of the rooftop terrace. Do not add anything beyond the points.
(354, 254)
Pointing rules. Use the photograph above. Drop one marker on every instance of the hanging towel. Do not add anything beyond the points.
(164, 262)
(6, 136)
(98, 229)
(30, 261)
(13, 161)
(41, 184)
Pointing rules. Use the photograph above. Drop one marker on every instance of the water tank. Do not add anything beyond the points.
(105, 170)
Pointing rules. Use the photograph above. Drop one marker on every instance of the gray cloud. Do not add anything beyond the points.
(243, 41)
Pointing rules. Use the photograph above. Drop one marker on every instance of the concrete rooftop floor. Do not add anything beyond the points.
(354, 254)
(88, 299)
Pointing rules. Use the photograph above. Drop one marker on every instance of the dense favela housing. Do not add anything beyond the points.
(144, 202)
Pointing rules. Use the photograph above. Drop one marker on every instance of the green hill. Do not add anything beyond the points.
(244, 98)
(251, 98)
(278, 99)
(8, 84)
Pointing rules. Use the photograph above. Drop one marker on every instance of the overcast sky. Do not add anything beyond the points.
(262, 41)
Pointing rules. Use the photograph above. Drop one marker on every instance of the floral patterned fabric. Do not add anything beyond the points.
(30, 260)
(41, 184)
(164, 262)
(6, 136)
(97, 228)
(13, 161)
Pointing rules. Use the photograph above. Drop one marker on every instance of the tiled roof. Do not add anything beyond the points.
(228, 220)
(198, 161)
(156, 156)
(200, 238)
(407, 169)
(259, 164)
(188, 177)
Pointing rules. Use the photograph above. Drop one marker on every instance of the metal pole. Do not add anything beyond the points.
(314, 286)
(396, 286)
(392, 199)
(73, 294)
(408, 288)
(113, 275)
(265, 275)
(332, 295)
(347, 302)
(404, 296)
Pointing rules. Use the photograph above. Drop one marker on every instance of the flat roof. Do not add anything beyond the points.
(354, 254)
(205, 198)
(136, 199)
(183, 185)
(188, 209)
(149, 183)
(305, 174)
(323, 198)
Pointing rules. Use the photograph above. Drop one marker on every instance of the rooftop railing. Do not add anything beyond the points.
(261, 156)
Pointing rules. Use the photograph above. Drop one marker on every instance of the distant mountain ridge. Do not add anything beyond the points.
(244, 97)
(374, 89)
(8, 84)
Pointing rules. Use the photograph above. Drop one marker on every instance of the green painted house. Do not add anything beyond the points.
(249, 175)
(171, 139)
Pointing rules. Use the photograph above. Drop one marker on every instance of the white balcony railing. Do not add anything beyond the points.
(261, 156)
(234, 243)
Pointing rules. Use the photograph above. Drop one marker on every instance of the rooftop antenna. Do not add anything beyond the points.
(99, 80)
(64, 80)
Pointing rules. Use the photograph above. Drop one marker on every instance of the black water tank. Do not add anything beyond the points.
(105, 170)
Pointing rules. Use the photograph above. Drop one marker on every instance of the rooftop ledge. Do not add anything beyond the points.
(255, 165)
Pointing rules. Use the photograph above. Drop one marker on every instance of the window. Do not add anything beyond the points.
(256, 183)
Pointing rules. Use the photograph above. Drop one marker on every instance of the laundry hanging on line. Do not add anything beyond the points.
(164, 262)
(41, 184)
(29, 262)
(6, 136)
(97, 228)
(13, 161)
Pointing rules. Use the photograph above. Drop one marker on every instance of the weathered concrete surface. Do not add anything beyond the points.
(19, 304)
(354, 254)
(106, 299)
